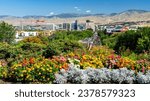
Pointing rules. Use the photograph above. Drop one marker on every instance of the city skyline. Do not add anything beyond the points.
(54, 7)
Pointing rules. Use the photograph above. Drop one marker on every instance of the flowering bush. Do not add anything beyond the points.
(142, 65)
(3, 69)
(90, 61)
(36, 70)
(100, 57)
(94, 58)
(115, 61)
(3, 72)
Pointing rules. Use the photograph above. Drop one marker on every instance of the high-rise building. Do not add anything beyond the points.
(76, 25)
(66, 26)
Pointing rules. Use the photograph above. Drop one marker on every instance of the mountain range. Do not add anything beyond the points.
(129, 15)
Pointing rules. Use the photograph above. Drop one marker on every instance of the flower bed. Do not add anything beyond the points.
(74, 75)
(38, 70)
(117, 69)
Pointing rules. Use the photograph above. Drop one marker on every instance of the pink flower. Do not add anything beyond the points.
(143, 69)
(63, 59)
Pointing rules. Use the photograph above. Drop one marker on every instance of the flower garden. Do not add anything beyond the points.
(61, 59)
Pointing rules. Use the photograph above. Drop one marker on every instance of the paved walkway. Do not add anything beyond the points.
(94, 40)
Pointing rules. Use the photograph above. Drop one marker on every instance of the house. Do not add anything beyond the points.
(121, 28)
(23, 34)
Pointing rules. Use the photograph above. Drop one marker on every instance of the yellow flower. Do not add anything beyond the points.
(24, 71)
(21, 75)
(27, 76)
(71, 54)
(50, 71)
(28, 69)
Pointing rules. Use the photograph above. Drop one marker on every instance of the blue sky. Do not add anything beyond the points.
(50, 7)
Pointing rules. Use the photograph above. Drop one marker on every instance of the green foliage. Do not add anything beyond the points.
(136, 41)
(144, 41)
(66, 45)
(127, 40)
(49, 52)
(132, 44)
(3, 72)
(62, 46)
(71, 35)
(66, 41)
(7, 32)
(44, 39)
(14, 53)
(6, 51)
(108, 40)
(33, 40)
(102, 36)
(32, 47)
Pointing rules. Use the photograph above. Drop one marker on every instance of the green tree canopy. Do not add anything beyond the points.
(7, 32)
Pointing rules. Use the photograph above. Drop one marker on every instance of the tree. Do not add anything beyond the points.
(7, 32)
(88, 21)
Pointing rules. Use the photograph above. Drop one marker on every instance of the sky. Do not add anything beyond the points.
(52, 7)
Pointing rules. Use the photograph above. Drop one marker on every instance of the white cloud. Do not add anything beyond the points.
(77, 8)
(51, 13)
(88, 11)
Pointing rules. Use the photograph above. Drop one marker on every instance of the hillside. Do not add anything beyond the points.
(125, 16)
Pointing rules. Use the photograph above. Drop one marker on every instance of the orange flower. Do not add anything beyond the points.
(132, 67)
(65, 66)
(24, 62)
(32, 60)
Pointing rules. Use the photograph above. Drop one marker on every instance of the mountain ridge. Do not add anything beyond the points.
(73, 15)
(125, 16)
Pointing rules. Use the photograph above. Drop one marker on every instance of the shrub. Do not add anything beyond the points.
(95, 76)
(7, 51)
(64, 46)
(110, 42)
(143, 79)
(7, 33)
(136, 41)
(32, 40)
(32, 47)
(94, 58)
(144, 40)
(3, 72)
(71, 35)
(49, 52)
(127, 40)
(33, 71)
(72, 75)
(122, 76)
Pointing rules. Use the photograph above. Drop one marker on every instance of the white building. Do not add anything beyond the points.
(90, 25)
(25, 34)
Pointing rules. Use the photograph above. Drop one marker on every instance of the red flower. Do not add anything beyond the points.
(111, 56)
(24, 62)
(143, 69)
